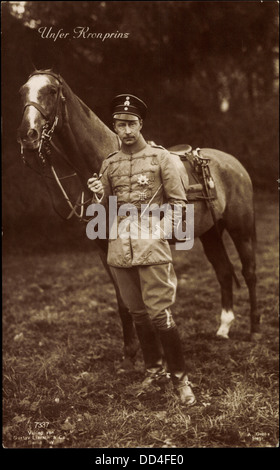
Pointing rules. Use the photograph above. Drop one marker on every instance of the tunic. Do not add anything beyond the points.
(151, 176)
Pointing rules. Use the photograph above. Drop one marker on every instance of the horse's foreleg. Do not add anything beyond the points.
(131, 344)
(215, 254)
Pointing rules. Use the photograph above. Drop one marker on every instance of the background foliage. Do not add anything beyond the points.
(208, 71)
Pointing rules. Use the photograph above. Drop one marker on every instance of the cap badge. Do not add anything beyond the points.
(142, 179)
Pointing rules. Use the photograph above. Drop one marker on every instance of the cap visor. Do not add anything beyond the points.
(126, 117)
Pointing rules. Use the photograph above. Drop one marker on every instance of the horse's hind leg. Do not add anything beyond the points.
(215, 254)
(246, 250)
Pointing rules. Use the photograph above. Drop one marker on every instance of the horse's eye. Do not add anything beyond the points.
(53, 91)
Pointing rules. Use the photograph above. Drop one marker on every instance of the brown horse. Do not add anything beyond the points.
(55, 119)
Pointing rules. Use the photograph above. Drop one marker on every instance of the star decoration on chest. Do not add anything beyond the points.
(142, 179)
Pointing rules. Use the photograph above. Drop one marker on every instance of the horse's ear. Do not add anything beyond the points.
(28, 68)
(56, 69)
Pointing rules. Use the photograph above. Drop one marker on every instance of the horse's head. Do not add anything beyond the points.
(41, 99)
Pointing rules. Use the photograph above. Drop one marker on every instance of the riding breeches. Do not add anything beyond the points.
(148, 292)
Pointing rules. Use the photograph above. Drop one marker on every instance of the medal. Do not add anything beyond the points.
(143, 196)
(142, 179)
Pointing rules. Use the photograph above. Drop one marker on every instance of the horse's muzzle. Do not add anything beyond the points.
(29, 140)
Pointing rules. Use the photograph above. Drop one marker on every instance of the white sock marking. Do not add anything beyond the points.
(227, 318)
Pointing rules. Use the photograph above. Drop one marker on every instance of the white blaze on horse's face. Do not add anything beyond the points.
(34, 85)
(39, 97)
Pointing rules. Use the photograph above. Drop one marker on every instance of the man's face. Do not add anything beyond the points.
(128, 131)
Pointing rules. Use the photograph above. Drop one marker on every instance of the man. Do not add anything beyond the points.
(139, 174)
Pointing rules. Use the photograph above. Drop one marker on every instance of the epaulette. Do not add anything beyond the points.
(158, 146)
(111, 154)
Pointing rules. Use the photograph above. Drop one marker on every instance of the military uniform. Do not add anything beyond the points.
(142, 265)
(135, 179)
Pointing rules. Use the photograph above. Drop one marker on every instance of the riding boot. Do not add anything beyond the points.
(152, 353)
(172, 347)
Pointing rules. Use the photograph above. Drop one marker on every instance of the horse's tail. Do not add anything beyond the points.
(254, 237)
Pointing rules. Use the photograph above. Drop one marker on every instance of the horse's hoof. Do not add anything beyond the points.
(255, 337)
(222, 336)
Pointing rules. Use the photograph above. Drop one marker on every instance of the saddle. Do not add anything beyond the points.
(201, 184)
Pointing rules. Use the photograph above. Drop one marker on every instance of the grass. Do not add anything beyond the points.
(62, 351)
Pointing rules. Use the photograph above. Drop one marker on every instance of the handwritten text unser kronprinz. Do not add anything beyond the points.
(79, 32)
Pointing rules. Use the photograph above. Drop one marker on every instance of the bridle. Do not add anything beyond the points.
(44, 150)
(48, 128)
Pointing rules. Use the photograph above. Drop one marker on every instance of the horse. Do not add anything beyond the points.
(56, 120)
